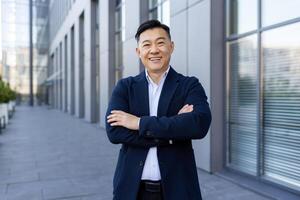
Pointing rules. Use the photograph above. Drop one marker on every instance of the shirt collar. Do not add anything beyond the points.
(151, 81)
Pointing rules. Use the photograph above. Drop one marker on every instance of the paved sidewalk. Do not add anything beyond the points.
(49, 155)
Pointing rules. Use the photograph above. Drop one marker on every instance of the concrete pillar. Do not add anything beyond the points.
(63, 72)
(106, 55)
(76, 52)
(69, 75)
(89, 66)
(199, 65)
(132, 21)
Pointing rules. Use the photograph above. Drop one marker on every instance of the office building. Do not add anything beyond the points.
(245, 54)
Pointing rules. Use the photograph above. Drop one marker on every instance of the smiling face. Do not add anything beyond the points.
(155, 49)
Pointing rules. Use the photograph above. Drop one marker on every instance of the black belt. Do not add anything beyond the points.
(151, 186)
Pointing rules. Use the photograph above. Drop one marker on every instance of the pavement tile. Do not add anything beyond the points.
(50, 155)
(19, 177)
(2, 190)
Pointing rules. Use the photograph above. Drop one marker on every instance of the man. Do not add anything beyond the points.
(155, 115)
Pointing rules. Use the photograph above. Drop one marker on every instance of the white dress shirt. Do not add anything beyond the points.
(151, 168)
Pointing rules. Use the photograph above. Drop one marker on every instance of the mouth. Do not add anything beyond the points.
(155, 59)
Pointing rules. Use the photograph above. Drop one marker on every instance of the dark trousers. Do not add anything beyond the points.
(150, 190)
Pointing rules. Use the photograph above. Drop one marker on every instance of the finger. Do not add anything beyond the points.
(109, 116)
(112, 115)
(183, 108)
(117, 111)
(115, 124)
(112, 120)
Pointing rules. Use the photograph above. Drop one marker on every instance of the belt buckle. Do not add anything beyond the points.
(152, 186)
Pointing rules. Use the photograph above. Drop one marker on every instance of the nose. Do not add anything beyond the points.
(154, 49)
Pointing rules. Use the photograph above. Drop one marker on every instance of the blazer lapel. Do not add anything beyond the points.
(141, 94)
(167, 92)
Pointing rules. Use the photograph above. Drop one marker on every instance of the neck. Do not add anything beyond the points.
(156, 76)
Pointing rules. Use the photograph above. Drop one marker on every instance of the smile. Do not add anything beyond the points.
(155, 59)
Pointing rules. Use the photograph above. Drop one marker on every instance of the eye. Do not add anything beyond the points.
(146, 45)
(160, 43)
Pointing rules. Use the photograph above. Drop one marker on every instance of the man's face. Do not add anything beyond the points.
(155, 49)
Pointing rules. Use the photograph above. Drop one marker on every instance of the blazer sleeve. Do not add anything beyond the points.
(193, 125)
(119, 134)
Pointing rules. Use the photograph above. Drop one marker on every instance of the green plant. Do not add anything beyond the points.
(6, 94)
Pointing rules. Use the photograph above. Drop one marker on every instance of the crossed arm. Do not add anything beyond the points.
(121, 118)
(191, 122)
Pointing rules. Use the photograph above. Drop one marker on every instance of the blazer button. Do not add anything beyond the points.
(141, 163)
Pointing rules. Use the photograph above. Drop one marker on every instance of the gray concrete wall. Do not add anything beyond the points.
(72, 18)
(69, 84)
(132, 21)
(106, 55)
(190, 29)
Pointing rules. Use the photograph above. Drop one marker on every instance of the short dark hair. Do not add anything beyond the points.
(150, 24)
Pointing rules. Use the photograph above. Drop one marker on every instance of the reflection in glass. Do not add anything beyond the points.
(160, 10)
(15, 46)
(276, 11)
(241, 16)
(153, 3)
(119, 38)
(242, 104)
(281, 62)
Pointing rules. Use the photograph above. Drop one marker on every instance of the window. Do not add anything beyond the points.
(242, 15)
(119, 37)
(263, 96)
(281, 106)
(160, 9)
(276, 11)
(243, 107)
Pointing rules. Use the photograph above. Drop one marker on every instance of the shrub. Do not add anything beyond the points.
(6, 94)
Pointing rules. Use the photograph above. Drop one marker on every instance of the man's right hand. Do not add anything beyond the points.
(186, 109)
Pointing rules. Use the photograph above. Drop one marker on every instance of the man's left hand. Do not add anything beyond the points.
(120, 118)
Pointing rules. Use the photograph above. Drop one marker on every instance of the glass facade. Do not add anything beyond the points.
(160, 9)
(242, 16)
(243, 108)
(263, 72)
(15, 45)
(119, 37)
(281, 103)
(276, 11)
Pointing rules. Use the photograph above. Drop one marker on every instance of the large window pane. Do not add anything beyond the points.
(243, 104)
(160, 10)
(241, 16)
(275, 11)
(119, 38)
(281, 62)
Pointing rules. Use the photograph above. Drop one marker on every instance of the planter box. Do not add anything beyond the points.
(11, 108)
(4, 111)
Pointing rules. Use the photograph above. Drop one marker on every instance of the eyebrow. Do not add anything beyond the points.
(159, 38)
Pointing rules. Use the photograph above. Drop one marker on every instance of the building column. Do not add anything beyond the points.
(62, 53)
(132, 21)
(218, 86)
(76, 59)
(89, 66)
(106, 54)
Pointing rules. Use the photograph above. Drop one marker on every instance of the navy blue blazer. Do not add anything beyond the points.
(176, 158)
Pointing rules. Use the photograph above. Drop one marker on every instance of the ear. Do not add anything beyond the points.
(172, 46)
(138, 52)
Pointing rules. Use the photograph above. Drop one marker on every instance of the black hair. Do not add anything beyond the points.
(150, 24)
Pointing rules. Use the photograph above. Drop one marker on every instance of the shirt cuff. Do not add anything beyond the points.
(139, 123)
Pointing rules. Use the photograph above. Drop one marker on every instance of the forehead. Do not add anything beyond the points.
(153, 34)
